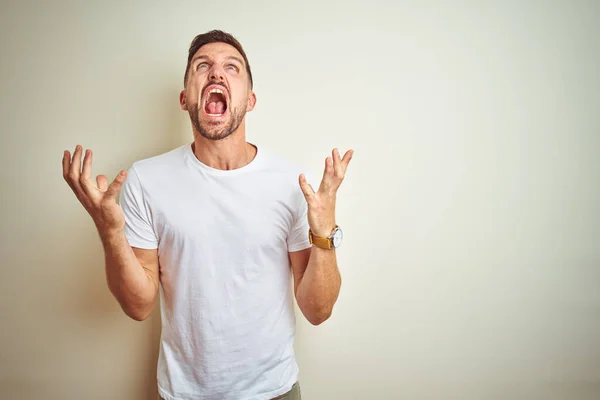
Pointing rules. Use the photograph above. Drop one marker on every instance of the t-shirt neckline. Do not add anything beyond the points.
(225, 172)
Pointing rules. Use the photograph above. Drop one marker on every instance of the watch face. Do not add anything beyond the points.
(337, 237)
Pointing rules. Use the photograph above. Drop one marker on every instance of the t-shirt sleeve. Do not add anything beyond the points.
(298, 237)
(138, 224)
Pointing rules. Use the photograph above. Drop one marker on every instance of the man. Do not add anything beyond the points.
(215, 227)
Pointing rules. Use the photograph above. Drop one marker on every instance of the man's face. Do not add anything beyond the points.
(218, 94)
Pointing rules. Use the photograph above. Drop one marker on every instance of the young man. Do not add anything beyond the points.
(216, 227)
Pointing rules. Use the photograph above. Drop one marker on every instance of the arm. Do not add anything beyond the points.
(317, 282)
(132, 274)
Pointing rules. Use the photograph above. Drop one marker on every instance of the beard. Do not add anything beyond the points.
(217, 130)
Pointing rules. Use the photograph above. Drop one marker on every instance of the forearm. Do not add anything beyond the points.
(128, 281)
(319, 287)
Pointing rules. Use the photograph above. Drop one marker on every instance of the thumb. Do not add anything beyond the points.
(114, 188)
(307, 189)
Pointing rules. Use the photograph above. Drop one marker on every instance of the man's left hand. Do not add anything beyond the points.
(321, 204)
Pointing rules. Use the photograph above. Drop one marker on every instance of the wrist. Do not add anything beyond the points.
(325, 231)
(330, 240)
(111, 235)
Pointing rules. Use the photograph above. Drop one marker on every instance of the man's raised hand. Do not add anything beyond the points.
(97, 197)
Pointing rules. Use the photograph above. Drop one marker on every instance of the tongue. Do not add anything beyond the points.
(215, 107)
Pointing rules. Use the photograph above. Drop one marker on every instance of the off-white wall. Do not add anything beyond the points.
(471, 262)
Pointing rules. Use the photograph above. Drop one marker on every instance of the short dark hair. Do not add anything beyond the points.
(215, 36)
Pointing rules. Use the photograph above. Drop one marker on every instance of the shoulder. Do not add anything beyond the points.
(163, 163)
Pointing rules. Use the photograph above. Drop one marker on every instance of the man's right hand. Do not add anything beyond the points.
(98, 198)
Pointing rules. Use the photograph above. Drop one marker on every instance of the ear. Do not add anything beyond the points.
(182, 101)
(251, 102)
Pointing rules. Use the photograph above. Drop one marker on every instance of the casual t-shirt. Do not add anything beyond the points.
(226, 297)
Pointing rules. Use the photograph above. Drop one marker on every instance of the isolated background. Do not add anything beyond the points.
(471, 261)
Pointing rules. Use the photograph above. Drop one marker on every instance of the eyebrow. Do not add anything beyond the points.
(236, 59)
(207, 58)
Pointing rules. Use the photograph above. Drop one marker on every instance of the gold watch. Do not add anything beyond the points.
(333, 241)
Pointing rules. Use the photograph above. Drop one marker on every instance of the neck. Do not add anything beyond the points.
(233, 152)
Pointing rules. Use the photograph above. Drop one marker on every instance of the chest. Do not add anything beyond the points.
(219, 218)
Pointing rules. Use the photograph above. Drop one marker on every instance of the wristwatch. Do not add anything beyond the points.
(333, 241)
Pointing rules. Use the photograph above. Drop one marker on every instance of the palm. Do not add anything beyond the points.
(98, 198)
(321, 204)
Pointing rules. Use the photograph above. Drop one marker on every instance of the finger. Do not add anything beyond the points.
(347, 158)
(307, 189)
(113, 190)
(75, 171)
(326, 182)
(67, 174)
(102, 182)
(87, 165)
(85, 179)
(337, 164)
(66, 164)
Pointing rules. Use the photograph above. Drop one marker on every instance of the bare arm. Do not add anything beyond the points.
(317, 282)
(132, 274)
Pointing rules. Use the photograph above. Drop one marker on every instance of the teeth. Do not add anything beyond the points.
(215, 90)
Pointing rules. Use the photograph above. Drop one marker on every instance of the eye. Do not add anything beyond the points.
(231, 67)
(201, 65)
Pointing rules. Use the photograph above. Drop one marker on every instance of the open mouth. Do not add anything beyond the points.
(215, 104)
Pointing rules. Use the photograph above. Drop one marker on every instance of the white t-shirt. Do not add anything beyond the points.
(223, 239)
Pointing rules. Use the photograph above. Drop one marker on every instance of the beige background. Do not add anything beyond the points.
(471, 263)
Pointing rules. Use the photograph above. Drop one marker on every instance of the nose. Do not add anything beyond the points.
(216, 73)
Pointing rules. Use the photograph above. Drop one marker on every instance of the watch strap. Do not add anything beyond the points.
(321, 242)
